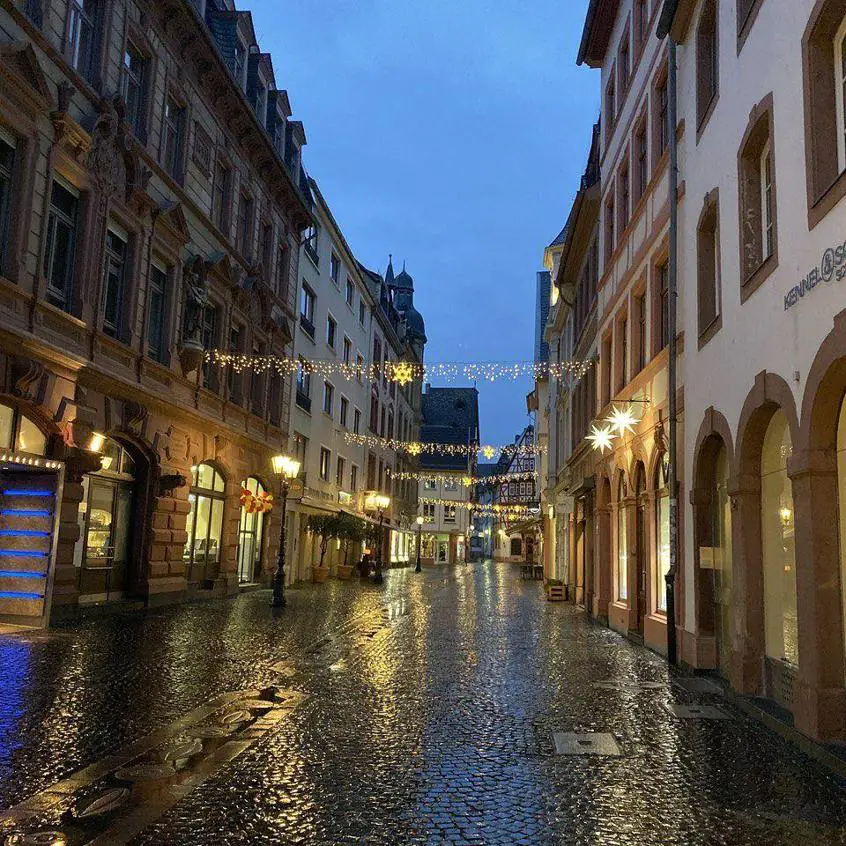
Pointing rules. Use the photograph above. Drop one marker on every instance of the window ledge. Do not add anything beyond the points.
(706, 115)
(710, 330)
(759, 276)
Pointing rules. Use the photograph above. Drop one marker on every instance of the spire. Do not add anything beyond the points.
(389, 273)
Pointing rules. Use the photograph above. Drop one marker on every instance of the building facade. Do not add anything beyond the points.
(450, 416)
(151, 201)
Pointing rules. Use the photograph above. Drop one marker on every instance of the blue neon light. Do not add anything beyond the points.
(23, 512)
(23, 533)
(21, 574)
(23, 553)
(13, 594)
(24, 492)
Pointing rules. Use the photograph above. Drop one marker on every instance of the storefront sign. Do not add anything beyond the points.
(832, 266)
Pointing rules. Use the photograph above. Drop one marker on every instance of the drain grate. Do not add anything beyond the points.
(699, 685)
(592, 743)
(628, 684)
(697, 712)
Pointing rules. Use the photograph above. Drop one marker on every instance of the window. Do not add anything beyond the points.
(307, 301)
(245, 225)
(325, 463)
(353, 479)
(357, 422)
(610, 106)
(449, 514)
(260, 102)
(303, 386)
(641, 22)
(371, 473)
(340, 471)
(625, 61)
(758, 207)
(374, 412)
(19, 433)
(641, 153)
(222, 196)
(662, 534)
(172, 137)
(390, 430)
(301, 449)
(279, 135)
(345, 408)
(282, 270)
(202, 150)
(430, 484)
(250, 536)
(157, 294)
(335, 269)
(257, 384)
(60, 250)
(747, 11)
(610, 229)
(205, 523)
(328, 398)
(240, 63)
(83, 26)
(708, 262)
(114, 282)
(361, 312)
(310, 237)
(209, 337)
(663, 272)
(625, 197)
(450, 485)
(623, 361)
(234, 378)
(331, 331)
(267, 248)
(350, 292)
(359, 367)
(133, 87)
(429, 512)
(707, 70)
(622, 544)
(662, 118)
(347, 351)
(7, 163)
(640, 312)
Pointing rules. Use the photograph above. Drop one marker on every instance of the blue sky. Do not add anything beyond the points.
(453, 135)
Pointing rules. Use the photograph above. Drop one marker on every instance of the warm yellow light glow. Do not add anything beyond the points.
(602, 439)
(403, 373)
(97, 442)
(622, 420)
(285, 466)
(421, 520)
(786, 515)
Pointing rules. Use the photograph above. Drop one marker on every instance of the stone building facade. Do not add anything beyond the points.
(151, 200)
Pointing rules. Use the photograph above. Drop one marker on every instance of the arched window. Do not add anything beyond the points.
(780, 616)
(250, 536)
(622, 543)
(19, 433)
(662, 533)
(205, 523)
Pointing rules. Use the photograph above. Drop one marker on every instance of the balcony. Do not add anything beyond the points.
(307, 326)
(303, 401)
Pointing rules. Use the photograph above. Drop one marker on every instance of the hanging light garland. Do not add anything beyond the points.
(424, 447)
(401, 372)
(480, 508)
(465, 481)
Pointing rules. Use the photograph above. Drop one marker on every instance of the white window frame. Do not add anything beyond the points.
(767, 210)
(840, 94)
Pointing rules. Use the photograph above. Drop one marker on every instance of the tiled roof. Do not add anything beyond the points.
(450, 416)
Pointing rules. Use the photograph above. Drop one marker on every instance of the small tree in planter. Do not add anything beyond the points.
(351, 530)
(326, 526)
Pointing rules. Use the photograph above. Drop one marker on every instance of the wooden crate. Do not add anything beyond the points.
(555, 593)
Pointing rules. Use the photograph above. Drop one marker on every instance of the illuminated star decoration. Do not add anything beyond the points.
(601, 438)
(403, 373)
(414, 449)
(622, 420)
(489, 452)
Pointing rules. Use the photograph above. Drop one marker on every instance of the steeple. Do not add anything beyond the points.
(389, 273)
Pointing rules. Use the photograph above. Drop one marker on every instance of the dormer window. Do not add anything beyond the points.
(240, 64)
(260, 104)
(279, 136)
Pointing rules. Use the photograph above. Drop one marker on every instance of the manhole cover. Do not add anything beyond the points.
(235, 718)
(697, 712)
(254, 704)
(592, 743)
(102, 803)
(145, 772)
(209, 732)
(699, 685)
(174, 753)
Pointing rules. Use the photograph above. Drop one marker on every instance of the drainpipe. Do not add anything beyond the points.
(664, 26)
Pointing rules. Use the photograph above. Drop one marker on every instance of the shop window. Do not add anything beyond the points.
(19, 433)
(758, 209)
(824, 66)
(662, 533)
(622, 569)
(779, 555)
(250, 535)
(60, 251)
(708, 263)
(707, 62)
(205, 523)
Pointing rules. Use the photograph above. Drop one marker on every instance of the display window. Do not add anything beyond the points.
(205, 523)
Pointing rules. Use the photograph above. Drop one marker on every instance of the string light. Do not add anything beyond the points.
(465, 481)
(481, 508)
(401, 372)
(421, 447)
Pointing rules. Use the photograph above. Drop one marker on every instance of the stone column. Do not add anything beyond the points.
(630, 506)
(603, 564)
(819, 699)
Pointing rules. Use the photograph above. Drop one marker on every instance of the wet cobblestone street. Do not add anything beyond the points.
(425, 713)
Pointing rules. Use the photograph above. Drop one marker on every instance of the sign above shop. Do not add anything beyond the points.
(832, 266)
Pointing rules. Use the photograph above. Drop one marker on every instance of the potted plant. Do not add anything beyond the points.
(326, 526)
(351, 530)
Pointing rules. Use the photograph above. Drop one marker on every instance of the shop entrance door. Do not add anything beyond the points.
(443, 552)
(105, 569)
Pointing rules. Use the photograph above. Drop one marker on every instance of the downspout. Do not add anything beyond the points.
(671, 577)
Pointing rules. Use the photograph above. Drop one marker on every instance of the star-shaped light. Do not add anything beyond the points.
(489, 452)
(414, 449)
(622, 420)
(403, 373)
(467, 481)
(601, 438)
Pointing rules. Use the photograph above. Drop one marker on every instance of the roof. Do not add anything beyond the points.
(560, 238)
(599, 23)
(450, 416)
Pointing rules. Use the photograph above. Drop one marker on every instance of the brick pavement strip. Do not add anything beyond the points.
(428, 716)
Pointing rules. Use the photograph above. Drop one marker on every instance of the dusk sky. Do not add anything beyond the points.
(452, 135)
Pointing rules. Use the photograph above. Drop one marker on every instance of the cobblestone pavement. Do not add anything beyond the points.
(425, 714)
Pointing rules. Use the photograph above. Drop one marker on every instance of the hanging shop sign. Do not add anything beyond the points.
(832, 266)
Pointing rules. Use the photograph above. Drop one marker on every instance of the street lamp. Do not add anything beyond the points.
(378, 502)
(286, 469)
(420, 522)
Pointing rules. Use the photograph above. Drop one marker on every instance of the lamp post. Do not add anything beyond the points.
(418, 568)
(381, 503)
(286, 469)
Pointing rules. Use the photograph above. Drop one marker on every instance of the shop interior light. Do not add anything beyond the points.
(96, 442)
